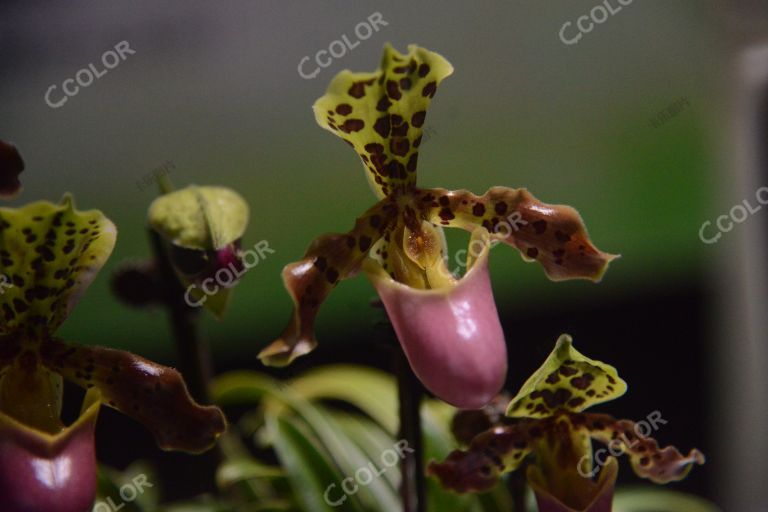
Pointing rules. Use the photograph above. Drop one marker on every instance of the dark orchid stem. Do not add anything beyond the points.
(517, 489)
(191, 350)
(410, 393)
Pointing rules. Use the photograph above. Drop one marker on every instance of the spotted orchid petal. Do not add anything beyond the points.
(11, 165)
(153, 394)
(553, 235)
(660, 465)
(451, 334)
(49, 254)
(568, 380)
(599, 494)
(52, 472)
(329, 260)
(381, 114)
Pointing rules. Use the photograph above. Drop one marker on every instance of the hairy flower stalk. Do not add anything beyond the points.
(547, 427)
(50, 254)
(448, 326)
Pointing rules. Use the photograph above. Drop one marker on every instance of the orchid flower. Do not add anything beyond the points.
(448, 327)
(549, 427)
(49, 255)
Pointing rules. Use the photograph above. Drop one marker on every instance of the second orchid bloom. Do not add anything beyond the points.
(448, 326)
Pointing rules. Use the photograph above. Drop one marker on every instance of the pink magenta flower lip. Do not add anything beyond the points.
(55, 473)
(452, 335)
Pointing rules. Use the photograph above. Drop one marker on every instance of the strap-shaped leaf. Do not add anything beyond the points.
(49, 254)
(381, 114)
(491, 454)
(553, 235)
(568, 380)
(329, 260)
(660, 465)
(153, 394)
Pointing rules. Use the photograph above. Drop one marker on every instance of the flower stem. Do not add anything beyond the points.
(410, 393)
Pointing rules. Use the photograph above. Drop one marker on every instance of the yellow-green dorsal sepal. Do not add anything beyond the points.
(200, 217)
(381, 114)
(49, 253)
(568, 380)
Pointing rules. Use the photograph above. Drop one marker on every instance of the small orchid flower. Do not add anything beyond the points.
(49, 254)
(203, 226)
(448, 327)
(551, 429)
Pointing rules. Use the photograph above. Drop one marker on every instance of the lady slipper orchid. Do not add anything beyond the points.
(202, 226)
(448, 327)
(50, 254)
(546, 422)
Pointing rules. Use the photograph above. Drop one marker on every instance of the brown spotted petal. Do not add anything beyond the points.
(11, 165)
(451, 335)
(660, 465)
(154, 395)
(491, 454)
(381, 114)
(329, 260)
(600, 493)
(50, 253)
(45, 472)
(553, 235)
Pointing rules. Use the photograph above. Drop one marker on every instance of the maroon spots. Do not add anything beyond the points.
(423, 70)
(332, 275)
(365, 243)
(383, 104)
(344, 109)
(582, 382)
(532, 252)
(553, 399)
(553, 378)
(350, 241)
(429, 90)
(321, 263)
(399, 128)
(540, 226)
(382, 126)
(400, 69)
(374, 148)
(478, 210)
(576, 402)
(444, 201)
(562, 237)
(352, 125)
(412, 162)
(375, 221)
(399, 146)
(417, 119)
(417, 142)
(405, 84)
(357, 90)
(446, 214)
(393, 91)
(501, 208)
(567, 371)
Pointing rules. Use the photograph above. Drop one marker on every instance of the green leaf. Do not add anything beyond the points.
(567, 380)
(648, 499)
